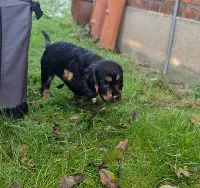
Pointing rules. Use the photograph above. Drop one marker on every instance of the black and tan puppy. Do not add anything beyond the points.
(84, 72)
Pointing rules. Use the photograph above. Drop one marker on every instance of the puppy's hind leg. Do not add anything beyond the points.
(46, 78)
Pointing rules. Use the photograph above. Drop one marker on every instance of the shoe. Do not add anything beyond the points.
(17, 112)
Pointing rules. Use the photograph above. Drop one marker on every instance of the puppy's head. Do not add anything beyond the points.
(108, 80)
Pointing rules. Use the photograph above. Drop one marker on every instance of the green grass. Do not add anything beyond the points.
(161, 138)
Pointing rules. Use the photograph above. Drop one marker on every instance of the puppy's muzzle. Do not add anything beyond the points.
(111, 98)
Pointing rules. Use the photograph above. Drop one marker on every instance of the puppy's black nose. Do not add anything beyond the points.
(116, 98)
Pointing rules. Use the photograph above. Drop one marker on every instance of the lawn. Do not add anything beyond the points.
(155, 121)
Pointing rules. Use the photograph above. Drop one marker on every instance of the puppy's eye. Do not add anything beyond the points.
(105, 83)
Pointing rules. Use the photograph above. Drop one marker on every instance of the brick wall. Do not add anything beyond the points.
(189, 9)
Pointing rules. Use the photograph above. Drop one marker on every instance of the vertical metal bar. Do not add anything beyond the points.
(171, 37)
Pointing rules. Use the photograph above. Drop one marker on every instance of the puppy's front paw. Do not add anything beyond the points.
(45, 94)
(94, 100)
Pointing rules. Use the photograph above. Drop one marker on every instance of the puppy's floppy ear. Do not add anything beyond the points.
(90, 75)
(122, 78)
(121, 75)
(90, 80)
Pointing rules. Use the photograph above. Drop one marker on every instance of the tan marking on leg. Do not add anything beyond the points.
(97, 88)
(109, 79)
(68, 75)
(45, 94)
(117, 77)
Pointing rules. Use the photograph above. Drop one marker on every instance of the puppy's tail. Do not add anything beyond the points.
(47, 39)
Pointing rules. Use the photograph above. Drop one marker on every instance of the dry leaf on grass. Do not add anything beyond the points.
(24, 160)
(23, 157)
(76, 118)
(167, 184)
(15, 185)
(23, 148)
(70, 181)
(99, 165)
(55, 128)
(181, 94)
(122, 145)
(145, 88)
(107, 178)
(180, 173)
(195, 119)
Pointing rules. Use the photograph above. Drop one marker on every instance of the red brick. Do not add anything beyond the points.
(181, 1)
(179, 12)
(133, 3)
(190, 13)
(196, 2)
(154, 6)
(144, 5)
(164, 8)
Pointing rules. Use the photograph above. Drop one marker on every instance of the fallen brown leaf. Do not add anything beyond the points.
(122, 145)
(55, 128)
(76, 118)
(15, 185)
(70, 181)
(167, 184)
(107, 178)
(23, 157)
(23, 148)
(182, 172)
(181, 94)
(99, 165)
(195, 119)
(24, 160)
(145, 88)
